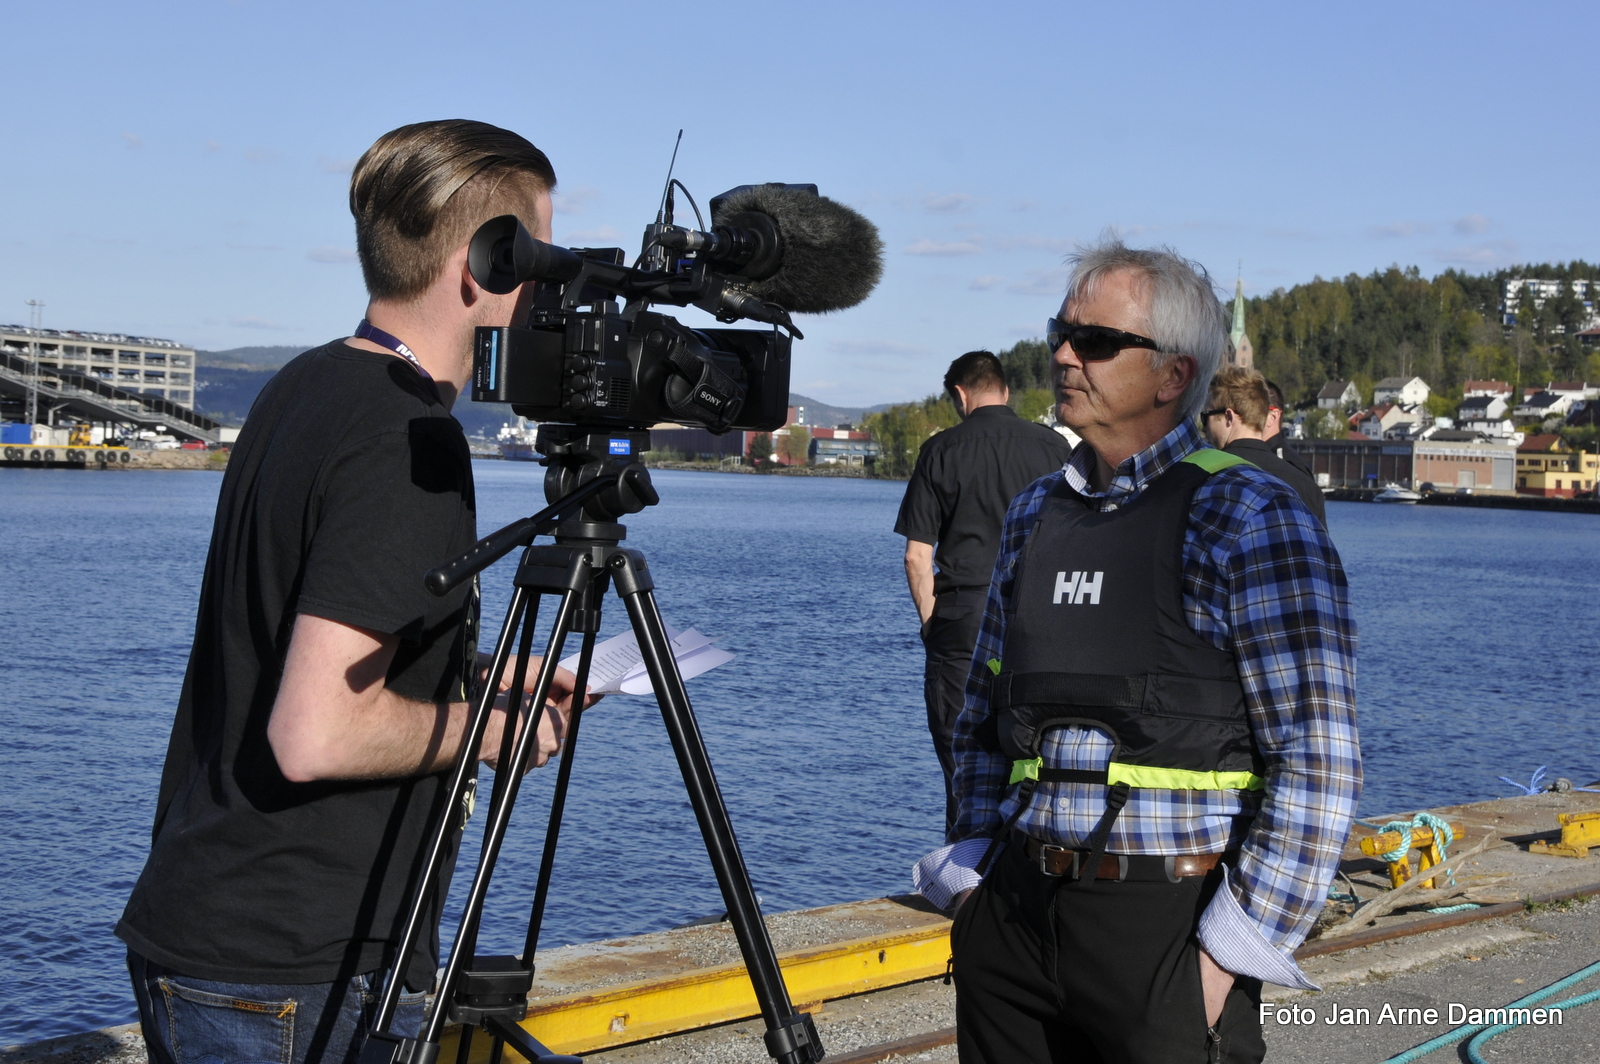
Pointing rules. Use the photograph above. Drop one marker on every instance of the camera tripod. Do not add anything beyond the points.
(592, 477)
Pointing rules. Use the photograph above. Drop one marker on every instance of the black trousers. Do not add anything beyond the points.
(1054, 971)
(947, 640)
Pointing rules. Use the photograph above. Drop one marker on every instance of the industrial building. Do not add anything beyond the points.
(1448, 464)
(55, 376)
(141, 364)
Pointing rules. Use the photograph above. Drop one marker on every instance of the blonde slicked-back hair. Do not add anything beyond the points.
(422, 190)
(1244, 391)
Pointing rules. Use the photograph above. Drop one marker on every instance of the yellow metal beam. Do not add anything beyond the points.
(1579, 832)
(581, 1023)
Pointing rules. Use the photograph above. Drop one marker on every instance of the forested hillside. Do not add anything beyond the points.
(1396, 322)
(1390, 323)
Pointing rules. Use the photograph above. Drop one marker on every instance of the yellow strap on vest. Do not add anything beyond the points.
(1182, 779)
(1026, 770)
(1158, 779)
(1214, 461)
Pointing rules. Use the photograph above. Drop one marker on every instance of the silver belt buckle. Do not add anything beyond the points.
(1045, 850)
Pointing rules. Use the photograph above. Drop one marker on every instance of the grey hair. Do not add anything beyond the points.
(1186, 316)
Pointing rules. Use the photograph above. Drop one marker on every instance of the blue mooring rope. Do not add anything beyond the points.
(1532, 786)
(1481, 1033)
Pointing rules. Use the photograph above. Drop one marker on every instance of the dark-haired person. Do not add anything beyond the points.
(1275, 437)
(326, 693)
(964, 479)
(1157, 764)
(1235, 419)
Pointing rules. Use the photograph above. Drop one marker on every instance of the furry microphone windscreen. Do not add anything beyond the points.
(832, 256)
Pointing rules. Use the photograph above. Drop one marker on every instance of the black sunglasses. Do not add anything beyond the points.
(1207, 415)
(1093, 343)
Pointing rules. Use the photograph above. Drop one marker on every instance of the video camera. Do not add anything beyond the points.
(771, 250)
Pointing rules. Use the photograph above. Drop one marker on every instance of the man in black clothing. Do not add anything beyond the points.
(1275, 439)
(1235, 419)
(964, 480)
(327, 690)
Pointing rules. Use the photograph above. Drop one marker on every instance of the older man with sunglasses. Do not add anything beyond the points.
(1157, 763)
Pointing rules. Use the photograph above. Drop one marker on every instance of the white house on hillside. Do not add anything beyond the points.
(1482, 408)
(1545, 405)
(1338, 395)
(1412, 391)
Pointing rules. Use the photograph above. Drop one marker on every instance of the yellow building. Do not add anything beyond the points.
(1547, 466)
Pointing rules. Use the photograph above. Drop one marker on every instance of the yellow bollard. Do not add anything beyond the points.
(1422, 841)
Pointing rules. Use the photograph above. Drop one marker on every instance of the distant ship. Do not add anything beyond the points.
(516, 440)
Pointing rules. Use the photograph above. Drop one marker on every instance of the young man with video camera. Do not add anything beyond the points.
(327, 691)
(1157, 764)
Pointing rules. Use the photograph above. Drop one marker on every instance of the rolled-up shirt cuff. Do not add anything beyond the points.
(1236, 943)
(949, 870)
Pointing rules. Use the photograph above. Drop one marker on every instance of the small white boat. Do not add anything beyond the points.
(1395, 493)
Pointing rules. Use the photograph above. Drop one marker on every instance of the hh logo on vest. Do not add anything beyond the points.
(1079, 588)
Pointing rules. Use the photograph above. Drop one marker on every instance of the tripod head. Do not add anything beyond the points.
(577, 455)
(593, 477)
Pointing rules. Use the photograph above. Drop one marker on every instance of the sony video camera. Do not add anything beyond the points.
(771, 250)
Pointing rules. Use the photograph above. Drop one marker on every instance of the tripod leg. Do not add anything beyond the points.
(468, 939)
(448, 826)
(494, 832)
(791, 1037)
(558, 802)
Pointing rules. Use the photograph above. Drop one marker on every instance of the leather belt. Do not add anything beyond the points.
(1060, 861)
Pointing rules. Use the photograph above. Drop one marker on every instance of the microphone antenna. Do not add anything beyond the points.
(664, 212)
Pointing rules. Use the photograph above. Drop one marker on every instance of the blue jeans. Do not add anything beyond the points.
(198, 1021)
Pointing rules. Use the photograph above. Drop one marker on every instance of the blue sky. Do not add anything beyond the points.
(180, 170)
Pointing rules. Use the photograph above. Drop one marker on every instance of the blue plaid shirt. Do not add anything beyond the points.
(1262, 579)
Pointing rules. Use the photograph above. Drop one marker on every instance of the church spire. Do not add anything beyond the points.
(1243, 354)
(1238, 308)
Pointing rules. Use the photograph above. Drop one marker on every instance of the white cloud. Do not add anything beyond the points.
(948, 202)
(1033, 243)
(1471, 225)
(573, 201)
(1400, 229)
(875, 347)
(1042, 283)
(986, 282)
(1498, 253)
(604, 236)
(946, 247)
(261, 155)
(255, 323)
(330, 164)
(330, 253)
(133, 141)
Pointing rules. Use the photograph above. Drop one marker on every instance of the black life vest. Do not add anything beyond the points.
(1096, 637)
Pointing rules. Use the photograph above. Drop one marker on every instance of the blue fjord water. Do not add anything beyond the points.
(1478, 657)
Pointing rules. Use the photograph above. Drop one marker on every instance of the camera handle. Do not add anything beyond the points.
(491, 992)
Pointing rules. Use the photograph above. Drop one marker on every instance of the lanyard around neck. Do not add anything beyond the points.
(368, 331)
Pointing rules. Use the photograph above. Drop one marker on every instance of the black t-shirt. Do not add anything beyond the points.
(1263, 454)
(349, 481)
(966, 477)
(1281, 447)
